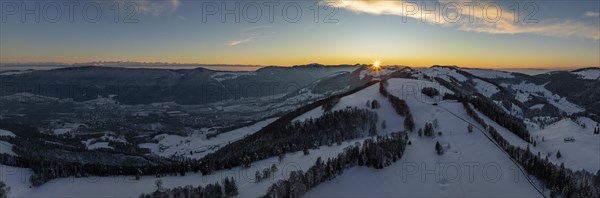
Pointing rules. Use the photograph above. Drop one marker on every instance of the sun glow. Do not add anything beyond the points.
(376, 65)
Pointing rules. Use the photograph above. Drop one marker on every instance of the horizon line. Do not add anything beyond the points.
(161, 64)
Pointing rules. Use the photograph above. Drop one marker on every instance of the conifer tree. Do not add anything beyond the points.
(438, 148)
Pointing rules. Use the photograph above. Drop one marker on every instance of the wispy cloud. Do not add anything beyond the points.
(157, 7)
(474, 19)
(242, 41)
(592, 14)
(251, 34)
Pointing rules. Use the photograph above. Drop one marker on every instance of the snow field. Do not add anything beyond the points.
(471, 166)
(127, 186)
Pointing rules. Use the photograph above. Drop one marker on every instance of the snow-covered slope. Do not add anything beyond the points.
(17, 179)
(127, 186)
(525, 92)
(197, 145)
(394, 122)
(445, 73)
(6, 133)
(221, 76)
(581, 154)
(485, 88)
(590, 74)
(472, 165)
(7, 148)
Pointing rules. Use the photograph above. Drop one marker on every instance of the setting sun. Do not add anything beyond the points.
(376, 65)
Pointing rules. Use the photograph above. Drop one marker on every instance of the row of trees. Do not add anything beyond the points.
(333, 127)
(399, 105)
(562, 181)
(227, 189)
(378, 153)
(45, 170)
(492, 111)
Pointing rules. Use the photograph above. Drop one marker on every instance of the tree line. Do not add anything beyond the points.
(399, 106)
(492, 111)
(45, 170)
(228, 188)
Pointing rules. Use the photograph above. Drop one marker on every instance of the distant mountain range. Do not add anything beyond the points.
(147, 85)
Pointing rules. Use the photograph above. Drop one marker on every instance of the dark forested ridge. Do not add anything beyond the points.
(583, 92)
(218, 160)
(330, 128)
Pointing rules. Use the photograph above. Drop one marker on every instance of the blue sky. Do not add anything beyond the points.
(565, 33)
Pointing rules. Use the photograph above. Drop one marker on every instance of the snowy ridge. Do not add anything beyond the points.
(103, 141)
(6, 133)
(526, 90)
(376, 73)
(221, 76)
(445, 73)
(6, 148)
(485, 88)
(8, 73)
(489, 73)
(590, 74)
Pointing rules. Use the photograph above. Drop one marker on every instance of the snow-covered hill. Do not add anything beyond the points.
(471, 166)
(472, 163)
(127, 186)
(197, 145)
(588, 73)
